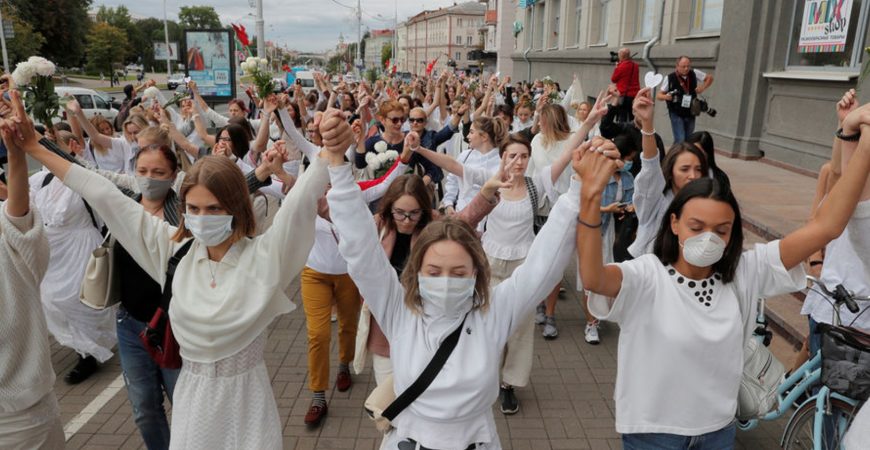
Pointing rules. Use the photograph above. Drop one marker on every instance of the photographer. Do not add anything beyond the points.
(627, 80)
(682, 87)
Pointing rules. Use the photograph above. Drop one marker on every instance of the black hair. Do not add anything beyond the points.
(626, 145)
(62, 126)
(704, 140)
(239, 138)
(667, 245)
(670, 160)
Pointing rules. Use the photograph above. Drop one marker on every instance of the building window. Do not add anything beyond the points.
(458, 40)
(576, 24)
(468, 40)
(707, 15)
(538, 41)
(811, 21)
(646, 11)
(459, 22)
(600, 14)
(554, 12)
(458, 56)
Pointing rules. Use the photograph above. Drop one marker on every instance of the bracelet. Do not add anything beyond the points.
(648, 133)
(815, 263)
(414, 149)
(588, 225)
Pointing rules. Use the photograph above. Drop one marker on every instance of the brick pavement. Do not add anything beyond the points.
(568, 405)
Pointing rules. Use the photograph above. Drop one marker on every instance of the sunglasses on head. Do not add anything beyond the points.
(396, 120)
(417, 120)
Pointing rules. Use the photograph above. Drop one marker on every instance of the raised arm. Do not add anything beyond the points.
(180, 139)
(644, 110)
(202, 131)
(270, 104)
(305, 146)
(835, 211)
(98, 138)
(599, 109)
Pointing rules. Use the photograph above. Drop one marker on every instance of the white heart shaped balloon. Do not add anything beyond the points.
(652, 79)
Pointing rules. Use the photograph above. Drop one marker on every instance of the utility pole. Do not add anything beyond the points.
(166, 38)
(261, 33)
(358, 34)
(3, 42)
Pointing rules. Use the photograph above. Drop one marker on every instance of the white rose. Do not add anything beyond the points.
(264, 62)
(251, 60)
(391, 154)
(151, 93)
(380, 146)
(23, 73)
(42, 66)
(372, 159)
(246, 67)
(383, 158)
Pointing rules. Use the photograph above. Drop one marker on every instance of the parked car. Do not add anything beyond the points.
(91, 101)
(174, 82)
(306, 79)
(134, 68)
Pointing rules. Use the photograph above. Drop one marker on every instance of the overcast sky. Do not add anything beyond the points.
(303, 25)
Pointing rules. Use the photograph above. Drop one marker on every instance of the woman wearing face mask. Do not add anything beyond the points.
(656, 184)
(73, 232)
(445, 284)
(486, 136)
(510, 230)
(227, 290)
(686, 310)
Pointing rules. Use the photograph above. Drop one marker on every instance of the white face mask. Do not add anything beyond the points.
(703, 250)
(449, 297)
(211, 230)
(152, 188)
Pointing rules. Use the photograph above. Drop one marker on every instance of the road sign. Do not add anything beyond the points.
(8, 30)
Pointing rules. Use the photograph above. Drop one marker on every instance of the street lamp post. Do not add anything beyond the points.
(165, 37)
(261, 33)
(3, 42)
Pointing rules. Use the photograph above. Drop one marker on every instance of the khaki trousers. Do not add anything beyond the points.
(519, 352)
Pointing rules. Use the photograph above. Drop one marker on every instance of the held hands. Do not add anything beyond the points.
(595, 162)
(270, 104)
(17, 131)
(412, 144)
(73, 106)
(275, 158)
(846, 105)
(337, 136)
(856, 119)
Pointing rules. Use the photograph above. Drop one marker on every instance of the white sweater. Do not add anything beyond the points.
(26, 374)
(456, 409)
(213, 323)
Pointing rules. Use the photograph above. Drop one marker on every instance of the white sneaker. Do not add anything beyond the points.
(592, 333)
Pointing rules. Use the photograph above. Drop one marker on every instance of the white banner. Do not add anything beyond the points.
(160, 51)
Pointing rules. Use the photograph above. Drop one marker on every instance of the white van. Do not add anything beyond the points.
(91, 101)
(306, 79)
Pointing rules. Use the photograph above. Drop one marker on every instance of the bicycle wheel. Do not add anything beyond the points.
(799, 432)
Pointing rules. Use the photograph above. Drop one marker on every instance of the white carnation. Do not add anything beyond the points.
(246, 67)
(383, 158)
(391, 154)
(42, 66)
(251, 60)
(151, 93)
(380, 146)
(23, 73)
(372, 159)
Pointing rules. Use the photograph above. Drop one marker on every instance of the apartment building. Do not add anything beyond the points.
(446, 35)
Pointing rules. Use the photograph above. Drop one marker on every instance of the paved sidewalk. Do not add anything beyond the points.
(569, 404)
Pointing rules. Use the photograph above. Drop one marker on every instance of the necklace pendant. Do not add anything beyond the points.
(213, 284)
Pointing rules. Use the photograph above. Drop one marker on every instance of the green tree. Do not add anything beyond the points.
(199, 18)
(103, 42)
(386, 53)
(64, 25)
(26, 42)
(120, 18)
(151, 30)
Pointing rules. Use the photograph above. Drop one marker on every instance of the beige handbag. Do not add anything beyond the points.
(382, 397)
(100, 287)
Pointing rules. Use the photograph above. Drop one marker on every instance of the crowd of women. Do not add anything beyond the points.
(345, 187)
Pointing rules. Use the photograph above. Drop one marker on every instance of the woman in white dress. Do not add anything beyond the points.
(73, 232)
(226, 291)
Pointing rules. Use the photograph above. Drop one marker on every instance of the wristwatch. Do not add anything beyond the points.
(847, 137)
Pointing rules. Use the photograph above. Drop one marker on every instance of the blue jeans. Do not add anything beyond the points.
(146, 382)
(683, 127)
(716, 440)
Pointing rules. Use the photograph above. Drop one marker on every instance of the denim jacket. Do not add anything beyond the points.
(609, 195)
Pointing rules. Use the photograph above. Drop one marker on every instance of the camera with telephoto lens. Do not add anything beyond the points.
(698, 105)
(704, 107)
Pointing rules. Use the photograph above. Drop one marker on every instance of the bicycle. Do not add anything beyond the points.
(820, 422)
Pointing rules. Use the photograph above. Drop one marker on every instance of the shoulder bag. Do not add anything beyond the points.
(157, 337)
(762, 375)
(100, 288)
(383, 406)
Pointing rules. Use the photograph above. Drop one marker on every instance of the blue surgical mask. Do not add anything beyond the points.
(627, 167)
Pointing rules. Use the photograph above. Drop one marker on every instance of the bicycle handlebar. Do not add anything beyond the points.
(840, 295)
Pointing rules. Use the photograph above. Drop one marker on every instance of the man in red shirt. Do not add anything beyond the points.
(626, 76)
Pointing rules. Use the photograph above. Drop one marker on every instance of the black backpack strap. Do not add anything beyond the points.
(170, 274)
(47, 180)
(427, 377)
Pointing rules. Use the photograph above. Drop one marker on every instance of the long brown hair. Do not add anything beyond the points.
(405, 185)
(554, 124)
(671, 160)
(225, 181)
(447, 229)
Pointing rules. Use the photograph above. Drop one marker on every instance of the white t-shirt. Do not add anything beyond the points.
(846, 263)
(700, 76)
(680, 356)
(324, 256)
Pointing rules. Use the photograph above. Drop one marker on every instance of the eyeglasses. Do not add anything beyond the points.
(396, 120)
(413, 216)
(417, 120)
(224, 139)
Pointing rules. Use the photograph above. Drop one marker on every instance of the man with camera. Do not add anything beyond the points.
(680, 90)
(627, 80)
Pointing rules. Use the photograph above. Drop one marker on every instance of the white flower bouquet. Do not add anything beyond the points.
(257, 71)
(377, 164)
(33, 78)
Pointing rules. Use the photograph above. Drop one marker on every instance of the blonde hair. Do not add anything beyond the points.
(225, 181)
(447, 229)
(495, 129)
(96, 121)
(554, 124)
(155, 135)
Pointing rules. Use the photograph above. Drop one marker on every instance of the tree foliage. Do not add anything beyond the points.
(64, 25)
(151, 30)
(120, 18)
(199, 18)
(386, 53)
(26, 42)
(103, 42)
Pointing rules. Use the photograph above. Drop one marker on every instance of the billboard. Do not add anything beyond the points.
(160, 52)
(825, 26)
(208, 62)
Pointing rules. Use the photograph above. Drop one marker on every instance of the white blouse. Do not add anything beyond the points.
(456, 409)
(650, 203)
(211, 324)
(680, 356)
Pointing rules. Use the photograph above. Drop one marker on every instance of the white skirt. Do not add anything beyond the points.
(227, 404)
(37, 427)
